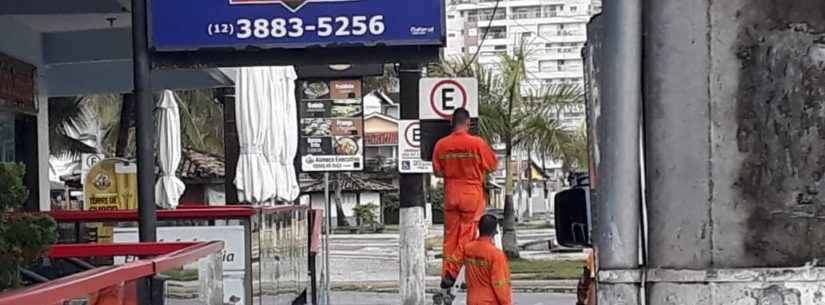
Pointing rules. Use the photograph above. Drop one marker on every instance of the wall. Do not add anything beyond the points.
(349, 201)
(379, 125)
(27, 45)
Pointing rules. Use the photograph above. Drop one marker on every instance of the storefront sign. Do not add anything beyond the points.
(234, 252)
(332, 125)
(17, 89)
(409, 149)
(111, 185)
(194, 24)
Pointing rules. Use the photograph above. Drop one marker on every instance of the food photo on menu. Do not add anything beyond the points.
(347, 146)
(316, 127)
(315, 90)
(346, 108)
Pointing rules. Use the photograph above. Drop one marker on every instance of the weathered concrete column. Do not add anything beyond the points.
(735, 151)
(411, 219)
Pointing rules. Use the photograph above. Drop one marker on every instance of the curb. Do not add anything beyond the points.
(432, 287)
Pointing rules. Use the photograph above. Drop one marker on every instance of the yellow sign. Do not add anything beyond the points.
(111, 185)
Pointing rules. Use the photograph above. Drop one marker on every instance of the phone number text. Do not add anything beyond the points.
(262, 28)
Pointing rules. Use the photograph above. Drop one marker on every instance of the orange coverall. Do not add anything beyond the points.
(463, 160)
(488, 274)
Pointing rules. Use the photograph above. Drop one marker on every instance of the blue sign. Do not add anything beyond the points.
(195, 24)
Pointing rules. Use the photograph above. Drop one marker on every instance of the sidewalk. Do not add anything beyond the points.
(521, 286)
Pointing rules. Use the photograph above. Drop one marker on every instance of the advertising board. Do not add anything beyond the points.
(331, 116)
(195, 24)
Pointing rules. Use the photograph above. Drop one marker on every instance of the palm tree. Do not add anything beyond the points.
(67, 119)
(521, 118)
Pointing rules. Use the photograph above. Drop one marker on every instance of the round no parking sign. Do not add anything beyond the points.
(440, 97)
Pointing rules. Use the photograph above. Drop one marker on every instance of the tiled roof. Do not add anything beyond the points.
(350, 183)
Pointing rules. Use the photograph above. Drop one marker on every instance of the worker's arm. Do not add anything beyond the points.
(488, 157)
(501, 280)
(438, 166)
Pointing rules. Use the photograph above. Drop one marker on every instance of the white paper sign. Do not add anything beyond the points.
(234, 251)
(409, 149)
(438, 98)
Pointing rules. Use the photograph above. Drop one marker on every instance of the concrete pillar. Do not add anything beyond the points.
(411, 219)
(735, 151)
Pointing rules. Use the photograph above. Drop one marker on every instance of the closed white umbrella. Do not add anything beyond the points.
(291, 137)
(275, 141)
(253, 177)
(168, 188)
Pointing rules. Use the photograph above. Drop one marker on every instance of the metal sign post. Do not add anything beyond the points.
(145, 134)
(325, 268)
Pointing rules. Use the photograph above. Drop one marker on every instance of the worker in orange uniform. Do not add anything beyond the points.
(463, 160)
(486, 267)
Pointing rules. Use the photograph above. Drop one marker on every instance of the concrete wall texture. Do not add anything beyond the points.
(735, 148)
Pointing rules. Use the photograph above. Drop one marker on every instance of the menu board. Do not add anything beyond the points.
(332, 125)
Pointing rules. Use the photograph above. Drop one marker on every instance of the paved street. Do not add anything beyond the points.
(359, 298)
(374, 257)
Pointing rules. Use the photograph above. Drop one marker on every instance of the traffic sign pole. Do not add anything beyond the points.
(411, 218)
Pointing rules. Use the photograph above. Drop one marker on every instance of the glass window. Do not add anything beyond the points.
(7, 137)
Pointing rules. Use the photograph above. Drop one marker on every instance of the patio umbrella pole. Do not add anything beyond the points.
(145, 135)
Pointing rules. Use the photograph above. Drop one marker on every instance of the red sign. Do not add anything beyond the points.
(17, 90)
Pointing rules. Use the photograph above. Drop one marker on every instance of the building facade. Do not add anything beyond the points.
(552, 31)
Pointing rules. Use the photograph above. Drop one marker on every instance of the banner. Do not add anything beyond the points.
(111, 185)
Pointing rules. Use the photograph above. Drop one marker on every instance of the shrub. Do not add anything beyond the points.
(24, 238)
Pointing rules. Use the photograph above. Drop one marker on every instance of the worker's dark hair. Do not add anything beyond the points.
(460, 117)
(487, 225)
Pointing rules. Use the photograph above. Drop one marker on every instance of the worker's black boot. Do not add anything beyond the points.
(445, 296)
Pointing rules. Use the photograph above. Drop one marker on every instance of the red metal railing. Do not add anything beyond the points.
(172, 255)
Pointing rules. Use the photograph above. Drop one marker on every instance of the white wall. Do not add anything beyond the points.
(349, 201)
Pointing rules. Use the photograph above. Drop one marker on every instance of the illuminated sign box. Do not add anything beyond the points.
(181, 25)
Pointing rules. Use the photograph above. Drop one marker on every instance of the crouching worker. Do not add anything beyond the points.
(486, 267)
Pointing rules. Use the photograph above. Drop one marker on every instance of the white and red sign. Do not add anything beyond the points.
(440, 97)
(409, 149)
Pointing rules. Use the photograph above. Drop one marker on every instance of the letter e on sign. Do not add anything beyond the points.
(440, 97)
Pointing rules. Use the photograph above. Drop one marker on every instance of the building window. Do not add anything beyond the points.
(573, 8)
(7, 136)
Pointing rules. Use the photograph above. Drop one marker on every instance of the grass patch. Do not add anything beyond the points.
(547, 269)
(182, 275)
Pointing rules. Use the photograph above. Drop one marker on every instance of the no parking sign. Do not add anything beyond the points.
(409, 149)
(438, 98)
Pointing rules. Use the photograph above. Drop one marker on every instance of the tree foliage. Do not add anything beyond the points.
(23, 237)
(517, 113)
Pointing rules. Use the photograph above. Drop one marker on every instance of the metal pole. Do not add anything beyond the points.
(145, 133)
(327, 229)
(618, 192)
(411, 213)
(144, 123)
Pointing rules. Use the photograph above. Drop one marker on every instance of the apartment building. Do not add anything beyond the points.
(553, 32)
